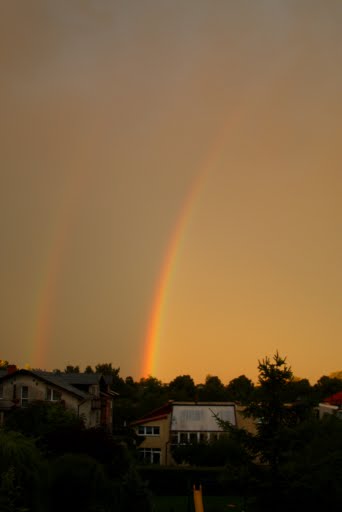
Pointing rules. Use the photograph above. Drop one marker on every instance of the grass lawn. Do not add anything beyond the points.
(185, 504)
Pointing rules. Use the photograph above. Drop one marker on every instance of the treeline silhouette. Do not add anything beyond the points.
(50, 462)
(137, 397)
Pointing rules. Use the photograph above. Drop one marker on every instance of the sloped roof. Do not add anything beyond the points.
(164, 410)
(156, 414)
(335, 399)
(81, 378)
(67, 381)
(50, 378)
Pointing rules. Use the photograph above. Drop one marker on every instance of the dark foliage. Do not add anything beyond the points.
(182, 388)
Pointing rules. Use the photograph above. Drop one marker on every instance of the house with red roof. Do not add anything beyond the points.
(178, 423)
(331, 405)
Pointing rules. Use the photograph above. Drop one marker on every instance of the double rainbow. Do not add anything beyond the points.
(48, 290)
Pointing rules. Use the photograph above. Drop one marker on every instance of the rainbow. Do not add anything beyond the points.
(46, 295)
(156, 317)
(155, 320)
(48, 289)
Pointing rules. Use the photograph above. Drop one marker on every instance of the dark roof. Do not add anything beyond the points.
(59, 381)
(50, 378)
(68, 381)
(81, 378)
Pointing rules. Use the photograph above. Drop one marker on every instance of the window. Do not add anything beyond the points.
(149, 455)
(52, 395)
(24, 396)
(203, 437)
(193, 437)
(148, 431)
(183, 438)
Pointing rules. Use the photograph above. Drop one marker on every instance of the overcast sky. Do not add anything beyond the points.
(124, 121)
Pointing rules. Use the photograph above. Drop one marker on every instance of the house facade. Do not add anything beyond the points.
(178, 423)
(88, 395)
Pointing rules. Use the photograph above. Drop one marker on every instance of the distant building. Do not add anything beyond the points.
(331, 405)
(88, 395)
(178, 423)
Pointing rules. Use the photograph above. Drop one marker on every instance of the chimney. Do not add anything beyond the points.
(11, 368)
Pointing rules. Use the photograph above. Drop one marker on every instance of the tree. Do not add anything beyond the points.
(311, 470)
(49, 424)
(151, 384)
(72, 369)
(269, 408)
(117, 383)
(78, 482)
(21, 473)
(182, 388)
(336, 375)
(301, 455)
(240, 390)
(107, 369)
(327, 386)
(88, 369)
(152, 393)
(272, 417)
(215, 453)
(212, 390)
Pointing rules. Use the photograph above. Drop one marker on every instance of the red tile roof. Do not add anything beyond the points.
(335, 399)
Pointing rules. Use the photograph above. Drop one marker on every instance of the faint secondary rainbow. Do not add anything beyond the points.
(47, 291)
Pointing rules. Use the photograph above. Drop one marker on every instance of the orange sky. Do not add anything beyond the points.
(110, 113)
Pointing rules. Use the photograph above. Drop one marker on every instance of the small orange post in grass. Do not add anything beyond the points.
(198, 500)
